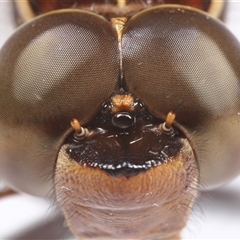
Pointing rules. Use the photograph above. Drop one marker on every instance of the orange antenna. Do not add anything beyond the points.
(76, 125)
(169, 119)
(80, 132)
(166, 127)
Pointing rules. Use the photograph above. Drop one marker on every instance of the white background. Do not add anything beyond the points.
(216, 215)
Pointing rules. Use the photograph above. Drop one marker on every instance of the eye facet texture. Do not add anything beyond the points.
(55, 68)
(180, 59)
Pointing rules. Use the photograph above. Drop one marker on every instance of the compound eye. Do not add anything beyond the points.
(58, 61)
(60, 66)
(183, 60)
(167, 63)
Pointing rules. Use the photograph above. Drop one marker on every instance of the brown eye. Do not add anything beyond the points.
(179, 59)
(55, 68)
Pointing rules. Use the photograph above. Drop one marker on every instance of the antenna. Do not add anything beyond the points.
(80, 132)
(166, 127)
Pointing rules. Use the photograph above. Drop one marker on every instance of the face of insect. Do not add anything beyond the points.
(123, 164)
(122, 170)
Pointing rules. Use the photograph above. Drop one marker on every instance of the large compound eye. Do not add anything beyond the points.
(184, 60)
(57, 67)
